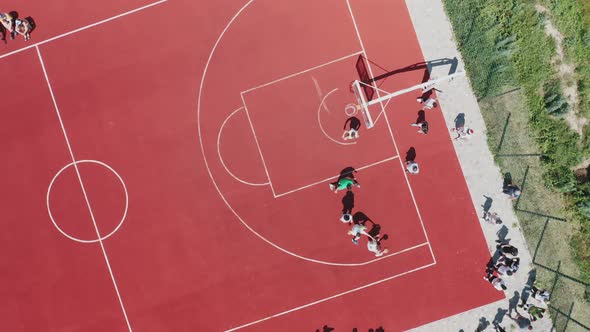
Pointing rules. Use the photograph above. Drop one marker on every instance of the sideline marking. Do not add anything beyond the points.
(301, 72)
(391, 131)
(82, 28)
(124, 189)
(330, 298)
(221, 158)
(199, 98)
(322, 103)
(104, 253)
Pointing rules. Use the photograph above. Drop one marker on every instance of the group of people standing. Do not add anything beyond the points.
(12, 25)
(358, 220)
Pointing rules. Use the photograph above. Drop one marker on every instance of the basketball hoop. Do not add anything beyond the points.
(351, 109)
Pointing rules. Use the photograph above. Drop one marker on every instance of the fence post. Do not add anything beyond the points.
(504, 132)
(526, 173)
(540, 239)
(569, 314)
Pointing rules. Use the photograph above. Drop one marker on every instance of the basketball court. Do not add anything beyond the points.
(167, 168)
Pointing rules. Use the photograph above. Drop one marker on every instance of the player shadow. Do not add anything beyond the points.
(361, 218)
(487, 205)
(513, 302)
(499, 316)
(411, 154)
(347, 172)
(421, 116)
(502, 233)
(483, 324)
(460, 120)
(348, 202)
(325, 328)
(526, 291)
(507, 181)
(375, 230)
(426, 66)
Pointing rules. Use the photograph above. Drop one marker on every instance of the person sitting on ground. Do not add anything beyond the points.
(374, 245)
(412, 167)
(502, 270)
(507, 249)
(463, 132)
(534, 311)
(497, 282)
(541, 295)
(492, 218)
(512, 191)
(522, 322)
(507, 265)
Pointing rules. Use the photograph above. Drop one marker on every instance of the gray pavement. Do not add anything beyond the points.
(483, 177)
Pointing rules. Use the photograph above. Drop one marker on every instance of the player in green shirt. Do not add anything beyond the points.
(343, 183)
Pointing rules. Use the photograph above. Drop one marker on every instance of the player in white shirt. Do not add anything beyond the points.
(374, 245)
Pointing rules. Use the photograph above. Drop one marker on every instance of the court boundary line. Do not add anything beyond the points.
(390, 130)
(100, 241)
(335, 177)
(82, 28)
(322, 103)
(221, 158)
(301, 72)
(330, 297)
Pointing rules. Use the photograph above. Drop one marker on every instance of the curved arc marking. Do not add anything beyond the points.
(221, 158)
(86, 161)
(217, 187)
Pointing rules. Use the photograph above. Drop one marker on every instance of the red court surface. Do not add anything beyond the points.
(166, 168)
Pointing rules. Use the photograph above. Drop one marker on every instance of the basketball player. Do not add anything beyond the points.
(352, 132)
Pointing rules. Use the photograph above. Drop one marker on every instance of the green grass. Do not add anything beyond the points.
(572, 18)
(504, 46)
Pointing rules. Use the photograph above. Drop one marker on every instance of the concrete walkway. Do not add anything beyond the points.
(483, 177)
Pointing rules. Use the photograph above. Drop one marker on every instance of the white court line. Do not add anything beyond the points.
(322, 103)
(319, 92)
(82, 28)
(329, 298)
(258, 145)
(301, 72)
(381, 113)
(390, 131)
(104, 253)
(221, 158)
(334, 177)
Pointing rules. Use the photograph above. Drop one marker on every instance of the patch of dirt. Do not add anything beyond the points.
(566, 73)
